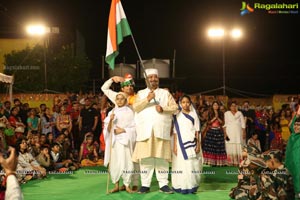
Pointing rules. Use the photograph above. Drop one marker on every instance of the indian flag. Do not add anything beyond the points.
(118, 28)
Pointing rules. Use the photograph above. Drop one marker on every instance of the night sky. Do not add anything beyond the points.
(266, 60)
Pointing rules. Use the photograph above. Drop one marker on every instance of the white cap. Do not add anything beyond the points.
(151, 71)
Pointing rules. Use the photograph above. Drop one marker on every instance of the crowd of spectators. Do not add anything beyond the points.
(61, 138)
(67, 136)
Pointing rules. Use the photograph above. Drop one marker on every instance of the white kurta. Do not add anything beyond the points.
(148, 120)
(186, 173)
(234, 124)
(108, 92)
(122, 144)
(153, 149)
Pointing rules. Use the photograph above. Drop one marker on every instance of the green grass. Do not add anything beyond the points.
(90, 186)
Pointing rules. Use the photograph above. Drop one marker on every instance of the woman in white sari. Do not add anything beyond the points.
(187, 159)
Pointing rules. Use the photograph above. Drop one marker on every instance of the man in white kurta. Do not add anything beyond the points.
(127, 86)
(154, 108)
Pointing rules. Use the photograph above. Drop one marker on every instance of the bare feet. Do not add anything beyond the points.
(123, 188)
(28, 177)
(128, 189)
(116, 189)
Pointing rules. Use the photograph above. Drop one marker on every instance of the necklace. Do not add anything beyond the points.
(90, 148)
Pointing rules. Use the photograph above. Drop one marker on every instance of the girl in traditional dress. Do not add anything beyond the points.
(214, 152)
(119, 134)
(235, 131)
(88, 153)
(187, 159)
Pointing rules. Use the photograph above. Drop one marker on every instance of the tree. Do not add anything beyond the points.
(65, 72)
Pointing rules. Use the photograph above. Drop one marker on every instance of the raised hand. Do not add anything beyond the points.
(151, 95)
(10, 164)
(117, 79)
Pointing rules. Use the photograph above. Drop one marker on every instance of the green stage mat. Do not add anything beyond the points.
(90, 183)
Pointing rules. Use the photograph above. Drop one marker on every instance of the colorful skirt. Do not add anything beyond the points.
(214, 151)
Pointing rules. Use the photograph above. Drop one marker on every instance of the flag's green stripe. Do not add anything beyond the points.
(123, 30)
(111, 59)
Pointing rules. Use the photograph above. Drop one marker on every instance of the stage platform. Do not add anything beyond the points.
(90, 184)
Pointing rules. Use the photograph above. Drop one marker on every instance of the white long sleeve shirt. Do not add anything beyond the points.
(13, 190)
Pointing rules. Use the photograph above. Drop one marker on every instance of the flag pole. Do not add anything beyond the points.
(142, 64)
(110, 149)
(143, 67)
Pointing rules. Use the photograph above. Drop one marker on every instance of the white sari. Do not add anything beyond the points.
(187, 165)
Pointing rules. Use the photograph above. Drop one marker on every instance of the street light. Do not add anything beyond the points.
(40, 31)
(37, 30)
(219, 33)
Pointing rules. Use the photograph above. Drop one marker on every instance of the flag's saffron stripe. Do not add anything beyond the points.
(118, 28)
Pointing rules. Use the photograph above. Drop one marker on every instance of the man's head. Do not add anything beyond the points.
(25, 106)
(55, 147)
(254, 136)
(246, 105)
(43, 138)
(127, 85)
(7, 105)
(17, 102)
(44, 150)
(43, 107)
(49, 136)
(75, 105)
(88, 102)
(60, 138)
(152, 76)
